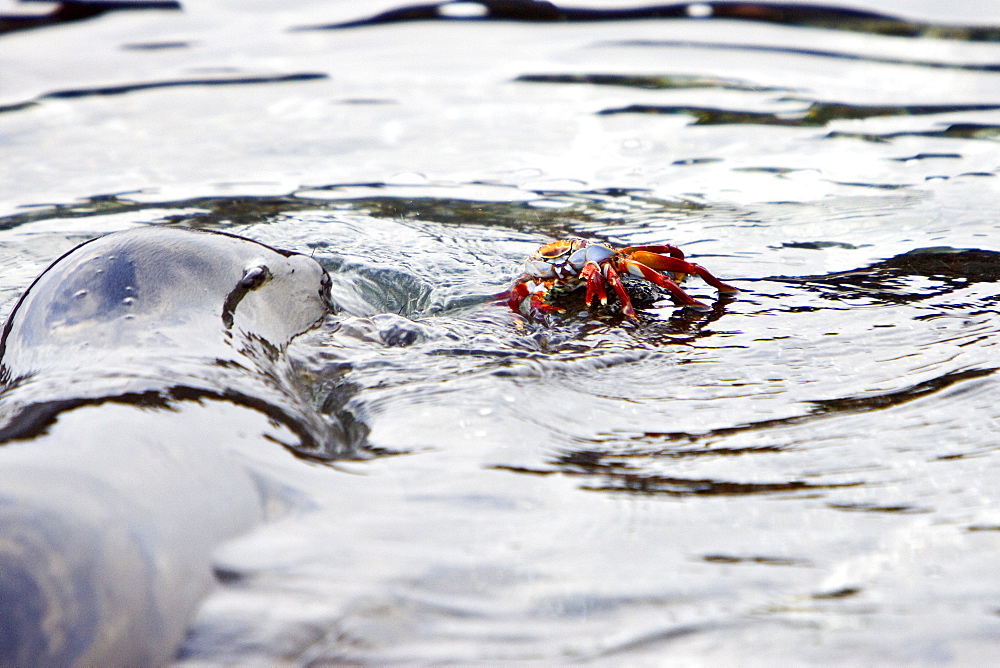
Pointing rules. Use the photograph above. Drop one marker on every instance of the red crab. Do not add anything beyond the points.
(568, 264)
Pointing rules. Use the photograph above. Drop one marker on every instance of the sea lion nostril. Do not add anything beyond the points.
(254, 277)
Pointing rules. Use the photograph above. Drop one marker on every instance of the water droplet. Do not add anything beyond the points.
(128, 301)
(80, 295)
(485, 411)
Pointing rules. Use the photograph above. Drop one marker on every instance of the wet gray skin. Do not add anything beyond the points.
(146, 386)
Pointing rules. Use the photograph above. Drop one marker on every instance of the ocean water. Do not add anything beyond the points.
(805, 474)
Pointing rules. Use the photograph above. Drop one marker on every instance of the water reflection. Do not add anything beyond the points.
(131, 88)
(950, 131)
(816, 114)
(644, 82)
(914, 276)
(805, 15)
(71, 11)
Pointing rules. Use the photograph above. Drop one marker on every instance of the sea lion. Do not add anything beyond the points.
(144, 385)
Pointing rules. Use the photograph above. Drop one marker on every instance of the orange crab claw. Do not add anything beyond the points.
(679, 268)
(680, 297)
(616, 283)
(591, 273)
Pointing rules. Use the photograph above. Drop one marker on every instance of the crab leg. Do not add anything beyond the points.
(591, 273)
(516, 296)
(538, 305)
(680, 297)
(678, 266)
(616, 283)
(672, 251)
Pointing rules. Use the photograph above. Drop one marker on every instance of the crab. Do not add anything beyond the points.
(569, 264)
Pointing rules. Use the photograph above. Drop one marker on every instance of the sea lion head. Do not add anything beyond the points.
(162, 292)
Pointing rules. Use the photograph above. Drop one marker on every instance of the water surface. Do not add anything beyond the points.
(805, 474)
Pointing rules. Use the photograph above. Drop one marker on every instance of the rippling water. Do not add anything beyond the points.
(806, 473)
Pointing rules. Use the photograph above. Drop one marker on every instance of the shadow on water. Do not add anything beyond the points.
(798, 51)
(812, 113)
(225, 211)
(209, 211)
(647, 82)
(985, 131)
(914, 276)
(615, 478)
(791, 14)
(816, 114)
(104, 91)
(71, 11)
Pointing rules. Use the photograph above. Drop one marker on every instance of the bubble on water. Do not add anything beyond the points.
(80, 295)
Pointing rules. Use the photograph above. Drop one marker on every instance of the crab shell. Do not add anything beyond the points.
(568, 264)
(566, 258)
